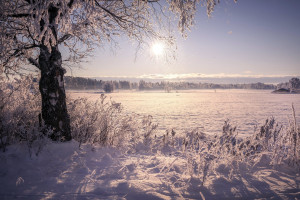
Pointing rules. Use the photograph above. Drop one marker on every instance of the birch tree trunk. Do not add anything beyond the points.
(51, 85)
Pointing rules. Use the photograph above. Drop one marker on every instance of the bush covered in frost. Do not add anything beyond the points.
(94, 122)
(103, 122)
(19, 112)
(205, 154)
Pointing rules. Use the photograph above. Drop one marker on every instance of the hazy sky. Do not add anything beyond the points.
(247, 38)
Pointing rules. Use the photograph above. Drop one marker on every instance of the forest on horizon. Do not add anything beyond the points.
(81, 83)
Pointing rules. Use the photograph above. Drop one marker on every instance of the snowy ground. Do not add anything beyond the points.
(185, 110)
(64, 171)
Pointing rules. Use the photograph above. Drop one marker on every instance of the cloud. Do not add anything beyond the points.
(246, 74)
(219, 75)
(196, 77)
(229, 32)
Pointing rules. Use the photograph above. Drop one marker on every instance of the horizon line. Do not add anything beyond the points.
(192, 76)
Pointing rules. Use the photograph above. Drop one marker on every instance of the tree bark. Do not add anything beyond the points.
(51, 85)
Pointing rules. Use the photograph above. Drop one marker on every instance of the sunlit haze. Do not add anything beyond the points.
(157, 48)
(244, 39)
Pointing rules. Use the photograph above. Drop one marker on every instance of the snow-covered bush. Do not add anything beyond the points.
(207, 155)
(287, 145)
(103, 122)
(95, 122)
(20, 119)
(280, 143)
(209, 152)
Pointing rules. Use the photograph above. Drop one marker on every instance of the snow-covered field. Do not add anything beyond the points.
(174, 165)
(206, 109)
(63, 171)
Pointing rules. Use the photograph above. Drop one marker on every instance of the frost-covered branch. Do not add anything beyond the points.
(60, 22)
(63, 38)
(32, 32)
(34, 62)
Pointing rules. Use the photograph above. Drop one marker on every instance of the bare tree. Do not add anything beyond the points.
(31, 32)
(294, 84)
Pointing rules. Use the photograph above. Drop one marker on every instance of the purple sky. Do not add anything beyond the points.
(247, 38)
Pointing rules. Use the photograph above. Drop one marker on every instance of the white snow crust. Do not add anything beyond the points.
(64, 171)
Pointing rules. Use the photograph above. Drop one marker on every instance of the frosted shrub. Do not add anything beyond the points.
(167, 141)
(294, 140)
(103, 122)
(278, 143)
(143, 132)
(281, 144)
(19, 113)
(94, 121)
(223, 154)
(288, 145)
(265, 139)
(226, 143)
(220, 150)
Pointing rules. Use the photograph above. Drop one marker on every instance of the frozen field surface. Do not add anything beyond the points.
(206, 109)
(63, 171)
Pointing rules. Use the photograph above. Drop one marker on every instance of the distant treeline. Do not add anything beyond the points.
(87, 83)
(79, 83)
(143, 85)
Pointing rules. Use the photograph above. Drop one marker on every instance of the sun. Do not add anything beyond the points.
(158, 48)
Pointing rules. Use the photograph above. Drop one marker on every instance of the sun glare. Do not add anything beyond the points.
(158, 48)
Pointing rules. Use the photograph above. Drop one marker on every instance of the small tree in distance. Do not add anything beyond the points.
(33, 31)
(294, 84)
(108, 87)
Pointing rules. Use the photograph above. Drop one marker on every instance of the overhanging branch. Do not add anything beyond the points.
(63, 38)
(34, 62)
(20, 15)
(117, 18)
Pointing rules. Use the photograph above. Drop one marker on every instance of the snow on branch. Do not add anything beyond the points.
(84, 23)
